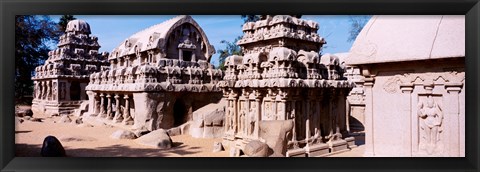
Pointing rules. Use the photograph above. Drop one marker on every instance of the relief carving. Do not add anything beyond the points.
(431, 118)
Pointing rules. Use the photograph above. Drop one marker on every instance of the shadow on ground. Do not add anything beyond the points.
(31, 150)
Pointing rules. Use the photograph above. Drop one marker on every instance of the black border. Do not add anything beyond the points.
(10, 8)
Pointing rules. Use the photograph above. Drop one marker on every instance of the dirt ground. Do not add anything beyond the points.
(94, 141)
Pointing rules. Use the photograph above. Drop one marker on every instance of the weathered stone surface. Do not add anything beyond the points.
(27, 117)
(85, 125)
(19, 120)
(174, 131)
(274, 133)
(217, 147)
(79, 120)
(65, 119)
(82, 109)
(208, 121)
(158, 138)
(52, 147)
(35, 119)
(256, 148)
(23, 112)
(123, 134)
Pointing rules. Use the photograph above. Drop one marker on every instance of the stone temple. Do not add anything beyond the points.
(157, 78)
(281, 78)
(59, 84)
(414, 85)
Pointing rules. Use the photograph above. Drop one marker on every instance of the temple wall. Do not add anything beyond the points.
(399, 118)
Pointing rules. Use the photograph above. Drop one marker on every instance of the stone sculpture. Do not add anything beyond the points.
(59, 84)
(281, 77)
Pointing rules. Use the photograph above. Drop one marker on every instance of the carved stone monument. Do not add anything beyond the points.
(157, 78)
(59, 84)
(414, 69)
(281, 77)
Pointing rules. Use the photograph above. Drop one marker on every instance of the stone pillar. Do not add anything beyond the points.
(109, 106)
(412, 141)
(102, 106)
(92, 98)
(127, 118)
(118, 116)
(452, 118)
(369, 133)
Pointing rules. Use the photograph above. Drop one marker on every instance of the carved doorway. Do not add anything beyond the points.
(75, 91)
(179, 113)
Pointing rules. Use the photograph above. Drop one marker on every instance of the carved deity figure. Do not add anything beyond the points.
(431, 117)
(232, 117)
(252, 115)
(241, 126)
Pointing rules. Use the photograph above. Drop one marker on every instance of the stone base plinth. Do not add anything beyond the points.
(300, 152)
(338, 145)
(318, 150)
(351, 142)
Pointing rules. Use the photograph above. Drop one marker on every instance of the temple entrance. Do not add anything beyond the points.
(179, 113)
(75, 91)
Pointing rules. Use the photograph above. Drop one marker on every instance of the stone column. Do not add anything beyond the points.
(102, 106)
(127, 118)
(118, 116)
(452, 118)
(369, 144)
(109, 106)
(412, 141)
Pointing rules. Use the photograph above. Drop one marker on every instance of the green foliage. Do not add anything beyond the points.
(356, 25)
(33, 35)
(64, 21)
(250, 18)
(231, 48)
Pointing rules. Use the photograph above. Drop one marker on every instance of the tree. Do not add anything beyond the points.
(250, 18)
(64, 21)
(231, 49)
(33, 35)
(356, 25)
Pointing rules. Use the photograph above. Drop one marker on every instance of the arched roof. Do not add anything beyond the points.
(387, 38)
(78, 26)
(156, 37)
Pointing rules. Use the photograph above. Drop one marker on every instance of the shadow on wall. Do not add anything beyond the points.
(33, 150)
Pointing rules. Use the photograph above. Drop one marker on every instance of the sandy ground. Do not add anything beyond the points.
(95, 141)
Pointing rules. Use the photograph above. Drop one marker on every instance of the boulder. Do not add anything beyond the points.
(274, 133)
(52, 147)
(19, 120)
(82, 109)
(217, 147)
(256, 148)
(65, 119)
(123, 134)
(27, 117)
(79, 120)
(208, 121)
(158, 138)
(23, 112)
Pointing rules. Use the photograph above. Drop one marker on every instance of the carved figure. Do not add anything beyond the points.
(431, 116)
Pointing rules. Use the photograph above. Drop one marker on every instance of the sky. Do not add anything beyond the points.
(112, 30)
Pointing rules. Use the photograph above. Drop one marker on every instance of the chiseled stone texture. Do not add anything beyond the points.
(157, 78)
(415, 104)
(281, 76)
(158, 138)
(59, 84)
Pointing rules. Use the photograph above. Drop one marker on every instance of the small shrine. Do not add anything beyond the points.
(59, 84)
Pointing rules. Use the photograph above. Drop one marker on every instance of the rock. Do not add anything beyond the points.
(82, 109)
(79, 120)
(256, 148)
(208, 121)
(174, 131)
(217, 147)
(123, 134)
(52, 147)
(27, 117)
(158, 138)
(23, 112)
(140, 133)
(65, 119)
(274, 133)
(77, 139)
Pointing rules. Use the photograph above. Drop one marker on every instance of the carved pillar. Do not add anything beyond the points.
(118, 116)
(127, 118)
(453, 115)
(109, 107)
(369, 133)
(412, 141)
(96, 108)
(102, 106)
